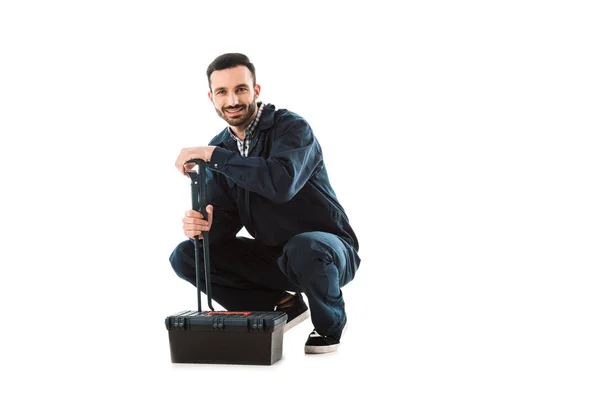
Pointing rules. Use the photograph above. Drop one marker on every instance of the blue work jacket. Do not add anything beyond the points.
(280, 190)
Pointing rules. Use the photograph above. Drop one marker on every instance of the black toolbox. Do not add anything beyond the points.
(230, 338)
(221, 337)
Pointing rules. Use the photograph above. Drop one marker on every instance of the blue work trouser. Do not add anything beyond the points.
(246, 275)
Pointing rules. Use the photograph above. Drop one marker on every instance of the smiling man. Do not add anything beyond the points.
(266, 173)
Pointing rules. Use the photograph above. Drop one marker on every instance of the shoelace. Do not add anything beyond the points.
(314, 333)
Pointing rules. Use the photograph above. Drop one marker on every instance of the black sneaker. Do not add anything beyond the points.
(296, 310)
(318, 344)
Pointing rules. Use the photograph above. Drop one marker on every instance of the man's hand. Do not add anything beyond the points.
(194, 223)
(189, 153)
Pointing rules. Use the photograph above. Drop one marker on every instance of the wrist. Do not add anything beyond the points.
(208, 153)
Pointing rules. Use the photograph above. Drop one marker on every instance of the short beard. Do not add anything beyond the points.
(242, 119)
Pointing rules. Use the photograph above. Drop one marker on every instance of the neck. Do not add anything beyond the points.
(239, 130)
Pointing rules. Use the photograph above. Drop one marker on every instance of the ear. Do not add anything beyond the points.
(257, 90)
(210, 97)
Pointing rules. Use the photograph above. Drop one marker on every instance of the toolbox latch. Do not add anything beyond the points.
(218, 323)
(258, 324)
(179, 323)
(175, 323)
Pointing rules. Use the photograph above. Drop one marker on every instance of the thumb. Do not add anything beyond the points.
(209, 210)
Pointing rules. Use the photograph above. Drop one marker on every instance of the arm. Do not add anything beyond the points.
(295, 155)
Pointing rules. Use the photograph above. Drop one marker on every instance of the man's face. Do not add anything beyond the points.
(233, 95)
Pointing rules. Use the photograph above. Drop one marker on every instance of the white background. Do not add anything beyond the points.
(461, 138)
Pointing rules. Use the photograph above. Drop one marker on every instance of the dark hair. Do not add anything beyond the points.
(230, 60)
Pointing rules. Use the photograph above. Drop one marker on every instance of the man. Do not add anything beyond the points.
(265, 172)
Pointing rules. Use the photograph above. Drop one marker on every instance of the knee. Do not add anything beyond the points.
(306, 251)
(182, 259)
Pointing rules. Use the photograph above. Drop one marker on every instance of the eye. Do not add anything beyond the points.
(220, 91)
(242, 90)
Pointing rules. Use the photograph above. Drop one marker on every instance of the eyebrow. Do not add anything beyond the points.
(238, 86)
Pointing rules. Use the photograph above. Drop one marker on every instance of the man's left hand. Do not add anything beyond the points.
(189, 153)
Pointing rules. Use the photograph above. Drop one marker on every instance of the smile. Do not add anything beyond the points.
(235, 110)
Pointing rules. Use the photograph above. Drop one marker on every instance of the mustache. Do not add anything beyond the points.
(234, 107)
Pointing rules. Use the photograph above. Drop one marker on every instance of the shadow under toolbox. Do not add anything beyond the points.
(221, 337)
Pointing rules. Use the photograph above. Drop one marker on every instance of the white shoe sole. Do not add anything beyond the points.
(321, 349)
(325, 349)
(296, 321)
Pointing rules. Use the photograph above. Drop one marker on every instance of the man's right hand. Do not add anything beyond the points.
(194, 223)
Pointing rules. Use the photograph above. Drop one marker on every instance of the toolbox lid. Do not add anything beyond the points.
(250, 321)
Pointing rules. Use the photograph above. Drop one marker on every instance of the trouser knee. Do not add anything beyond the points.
(303, 254)
(182, 260)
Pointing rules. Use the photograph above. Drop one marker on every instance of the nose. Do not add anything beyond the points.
(232, 99)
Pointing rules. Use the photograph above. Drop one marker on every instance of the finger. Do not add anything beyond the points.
(194, 223)
(194, 220)
(191, 233)
(195, 228)
(194, 214)
(180, 163)
(180, 169)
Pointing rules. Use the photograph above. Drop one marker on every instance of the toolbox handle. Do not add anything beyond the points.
(199, 203)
